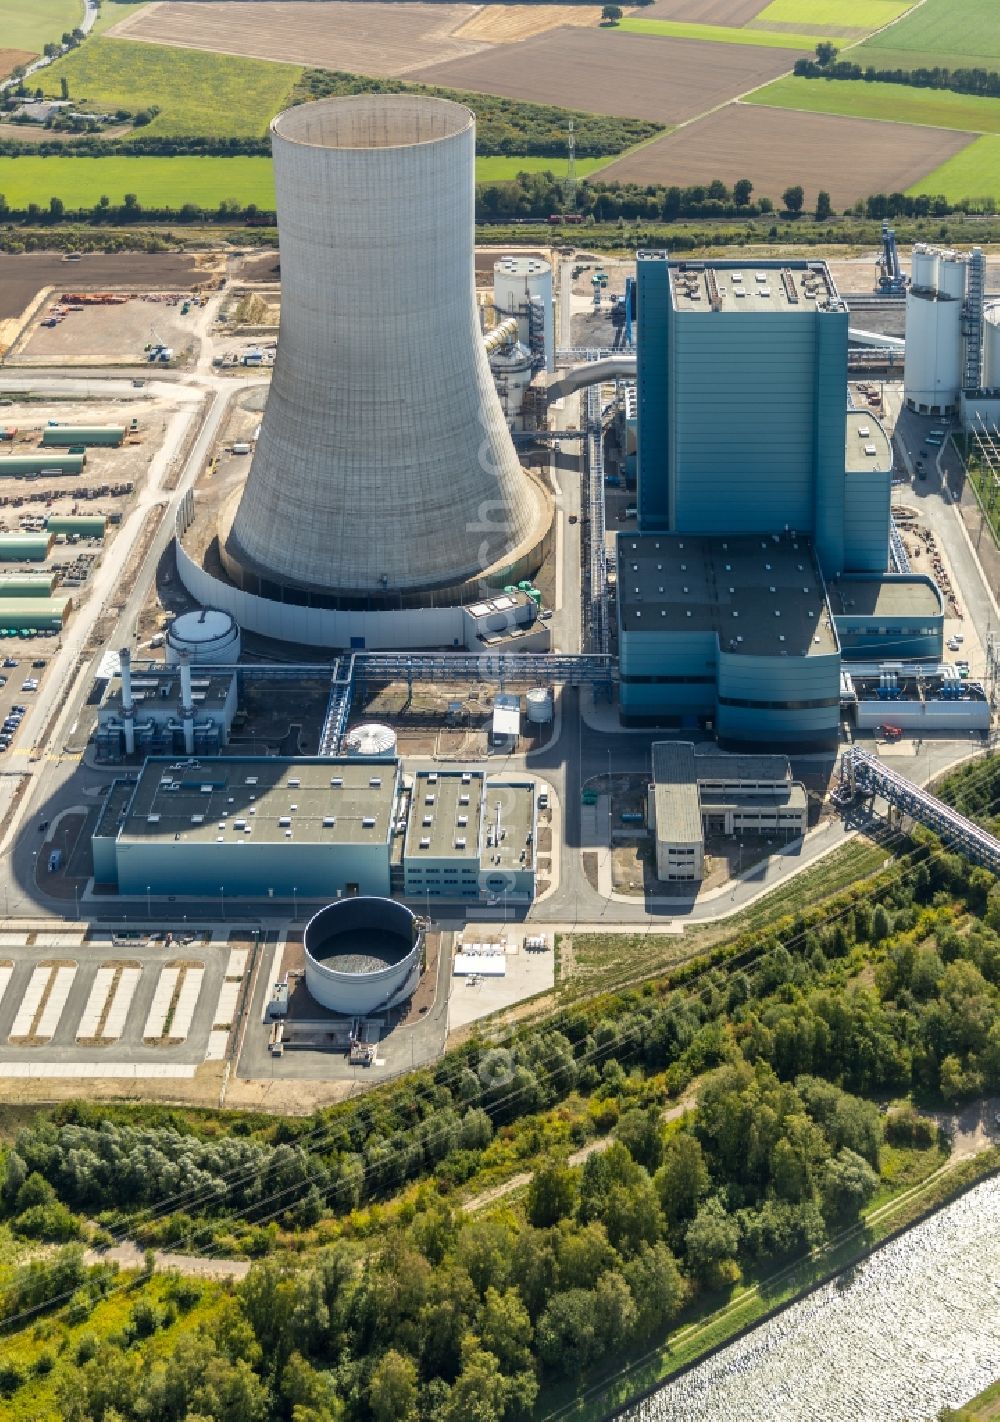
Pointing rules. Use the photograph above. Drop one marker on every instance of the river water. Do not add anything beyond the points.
(914, 1328)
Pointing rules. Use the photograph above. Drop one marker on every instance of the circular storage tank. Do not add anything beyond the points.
(372, 741)
(932, 374)
(512, 371)
(207, 635)
(539, 700)
(362, 954)
(923, 268)
(952, 271)
(518, 282)
(991, 346)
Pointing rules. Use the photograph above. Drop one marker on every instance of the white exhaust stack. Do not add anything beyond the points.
(187, 703)
(384, 474)
(128, 705)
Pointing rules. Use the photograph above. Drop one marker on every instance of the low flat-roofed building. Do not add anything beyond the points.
(441, 849)
(159, 721)
(895, 617)
(697, 794)
(257, 827)
(733, 634)
(508, 848)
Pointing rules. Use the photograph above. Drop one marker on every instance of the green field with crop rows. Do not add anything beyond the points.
(32, 24)
(864, 15)
(895, 103)
(197, 93)
(718, 34)
(973, 173)
(955, 34)
(172, 182)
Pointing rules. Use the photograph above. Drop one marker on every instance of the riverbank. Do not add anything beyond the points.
(753, 1306)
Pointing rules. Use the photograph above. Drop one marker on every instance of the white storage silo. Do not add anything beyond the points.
(539, 702)
(991, 346)
(208, 636)
(511, 367)
(923, 267)
(935, 365)
(373, 741)
(522, 287)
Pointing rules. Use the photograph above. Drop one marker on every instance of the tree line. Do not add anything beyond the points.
(985, 82)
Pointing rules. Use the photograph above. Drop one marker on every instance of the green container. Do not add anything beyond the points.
(37, 585)
(22, 466)
(25, 547)
(525, 586)
(83, 434)
(22, 616)
(82, 525)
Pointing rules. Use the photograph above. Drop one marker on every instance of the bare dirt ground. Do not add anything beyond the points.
(613, 72)
(500, 24)
(108, 335)
(848, 157)
(377, 39)
(23, 276)
(11, 58)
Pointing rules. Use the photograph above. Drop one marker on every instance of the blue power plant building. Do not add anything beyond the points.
(763, 509)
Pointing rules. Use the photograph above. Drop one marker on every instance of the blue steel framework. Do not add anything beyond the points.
(863, 773)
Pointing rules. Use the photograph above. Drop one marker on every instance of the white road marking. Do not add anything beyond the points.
(58, 996)
(160, 1005)
(187, 1001)
(33, 993)
(114, 1023)
(92, 1013)
(5, 973)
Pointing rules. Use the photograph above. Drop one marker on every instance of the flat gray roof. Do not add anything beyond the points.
(445, 808)
(761, 596)
(510, 804)
(718, 766)
(229, 799)
(899, 596)
(109, 820)
(866, 445)
(787, 287)
(678, 808)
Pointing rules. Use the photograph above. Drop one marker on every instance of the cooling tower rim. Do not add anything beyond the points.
(285, 124)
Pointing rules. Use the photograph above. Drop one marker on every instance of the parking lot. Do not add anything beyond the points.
(22, 670)
(113, 1005)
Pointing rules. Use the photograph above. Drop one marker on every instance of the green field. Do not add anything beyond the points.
(973, 173)
(895, 103)
(719, 34)
(952, 33)
(32, 24)
(196, 92)
(849, 14)
(171, 182)
(110, 15)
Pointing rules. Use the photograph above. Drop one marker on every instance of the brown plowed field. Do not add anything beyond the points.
(23, 275)
(613, 72)
(499, 24)
(371, 38)
(850, 158)
(11, 58)
(703, 12)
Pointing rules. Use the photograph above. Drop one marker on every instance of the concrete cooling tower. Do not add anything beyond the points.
(384, 475)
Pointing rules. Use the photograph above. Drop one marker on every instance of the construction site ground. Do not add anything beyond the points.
(108, 335)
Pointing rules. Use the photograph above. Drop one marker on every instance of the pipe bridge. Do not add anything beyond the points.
(863, 773)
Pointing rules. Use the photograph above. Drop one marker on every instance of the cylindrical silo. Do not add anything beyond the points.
(991, 346)
(934, 364)
(923, 267)
(373, 741)
(952, 271)
(384, 468)
(207, 636)
(511, 367)
(522, 287)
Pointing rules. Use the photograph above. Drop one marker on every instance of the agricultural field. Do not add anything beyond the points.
(849, 158)
(501, 24)
(717, 34)
(172, 182)
(195, 93)
(972, 173)
(939, 32)
(11, 58)
(893, 103)
(32, 24)
(845, 16)
(668, 81)
(378, 39)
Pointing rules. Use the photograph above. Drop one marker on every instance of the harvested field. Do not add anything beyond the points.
(11, 58)
(24, 275)
(501, 24)
(856, 157)
(383, 40)
(702, 12)
(623, 74)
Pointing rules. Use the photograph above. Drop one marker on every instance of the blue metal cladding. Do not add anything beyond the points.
(867, 500)
(653, 337)
(831, 328)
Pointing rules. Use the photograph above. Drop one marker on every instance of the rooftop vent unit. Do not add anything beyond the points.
(368, 822)
(337, 781)
(284, 820)
(425, 843)
(294, 783)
